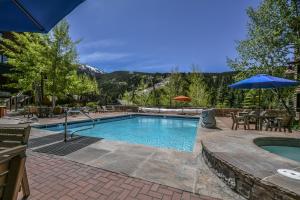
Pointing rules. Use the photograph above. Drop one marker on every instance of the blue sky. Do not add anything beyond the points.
(157, 35)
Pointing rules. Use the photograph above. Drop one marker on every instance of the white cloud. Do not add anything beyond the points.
(101, 43)
(102, 56)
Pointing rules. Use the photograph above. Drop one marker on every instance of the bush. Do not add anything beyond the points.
(46, 101)
(57, 110)
(92, 104)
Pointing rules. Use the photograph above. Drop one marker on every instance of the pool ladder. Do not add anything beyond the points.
(66, 123)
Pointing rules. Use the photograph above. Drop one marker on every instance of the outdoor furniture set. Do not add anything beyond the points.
(269, 119)
(40, 111)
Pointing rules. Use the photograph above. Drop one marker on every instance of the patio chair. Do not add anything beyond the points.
(29, 111)
(238, 120)
(25, 112)
(260, 119)
(284, 122)
(45, 111)
(12, 168)
(251, 118)
(270, 119)
(14, 135)
(33, 110)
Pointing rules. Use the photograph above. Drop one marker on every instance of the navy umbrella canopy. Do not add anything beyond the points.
(33, 15)
(264, 81)
(261, 81)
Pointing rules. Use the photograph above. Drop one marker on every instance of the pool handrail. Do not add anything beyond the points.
(66, 122)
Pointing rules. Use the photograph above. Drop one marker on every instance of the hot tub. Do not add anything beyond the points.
(285, 147)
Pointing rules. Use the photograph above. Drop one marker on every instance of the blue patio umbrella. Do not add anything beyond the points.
(33, 15)
(264, 81)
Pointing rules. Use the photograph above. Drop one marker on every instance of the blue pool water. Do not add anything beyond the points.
(164, 132)
(292, 153)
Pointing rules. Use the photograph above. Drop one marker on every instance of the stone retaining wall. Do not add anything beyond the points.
(248, 186)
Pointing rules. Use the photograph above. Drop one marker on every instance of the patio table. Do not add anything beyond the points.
(253, 116)
(243, 113)
(44, 111)
(265, 118)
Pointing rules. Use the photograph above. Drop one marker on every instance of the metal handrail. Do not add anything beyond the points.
(66, 122)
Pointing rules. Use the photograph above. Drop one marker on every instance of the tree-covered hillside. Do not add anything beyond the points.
(157, 89)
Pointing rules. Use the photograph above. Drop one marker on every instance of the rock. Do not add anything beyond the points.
(207, 119)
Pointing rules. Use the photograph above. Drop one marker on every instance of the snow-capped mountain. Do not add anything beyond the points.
(90, 70)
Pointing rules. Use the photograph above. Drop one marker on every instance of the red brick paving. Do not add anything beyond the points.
(53, 178)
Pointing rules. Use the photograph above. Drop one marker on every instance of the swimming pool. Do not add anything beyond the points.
(158, 131)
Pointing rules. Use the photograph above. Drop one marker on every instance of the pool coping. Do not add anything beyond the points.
(248, 169)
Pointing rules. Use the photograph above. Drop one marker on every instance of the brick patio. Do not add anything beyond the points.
(54, 178)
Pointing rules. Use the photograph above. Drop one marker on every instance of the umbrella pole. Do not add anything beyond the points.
(259, 93)
(258, 114)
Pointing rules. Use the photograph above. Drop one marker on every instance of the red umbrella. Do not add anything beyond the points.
(182, 99)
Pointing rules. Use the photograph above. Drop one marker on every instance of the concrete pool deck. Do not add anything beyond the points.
(182, 170)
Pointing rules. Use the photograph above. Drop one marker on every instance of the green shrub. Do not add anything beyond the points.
(92, 104)
(57, 110)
